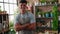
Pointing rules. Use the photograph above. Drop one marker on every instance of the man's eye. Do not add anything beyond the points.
(20, 5)
(23, 5)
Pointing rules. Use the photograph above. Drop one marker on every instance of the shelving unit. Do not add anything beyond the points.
(44, 18)
(4, 21)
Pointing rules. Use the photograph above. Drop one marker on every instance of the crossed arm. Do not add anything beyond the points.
(28, 26)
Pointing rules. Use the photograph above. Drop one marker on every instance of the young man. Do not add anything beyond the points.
(25, 21)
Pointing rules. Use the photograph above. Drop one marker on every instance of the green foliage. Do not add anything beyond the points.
(16, 12)
(11, 24)
(43, 1)
(55, 17)
(37, 10)
(54, 0)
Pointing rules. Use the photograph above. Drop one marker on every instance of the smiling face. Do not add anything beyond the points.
(22, 7)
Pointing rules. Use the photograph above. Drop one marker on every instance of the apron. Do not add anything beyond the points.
(23, 20)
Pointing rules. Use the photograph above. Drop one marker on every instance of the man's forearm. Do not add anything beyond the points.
(32, 26)
(25, 26)
(20, 27)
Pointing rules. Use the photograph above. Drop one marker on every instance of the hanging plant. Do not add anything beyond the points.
(39, 13)
(43, 1)
(54, 0)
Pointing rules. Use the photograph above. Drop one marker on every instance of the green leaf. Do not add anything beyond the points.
(54, 0)
(43, 1)
(11, 24)
(55, 18)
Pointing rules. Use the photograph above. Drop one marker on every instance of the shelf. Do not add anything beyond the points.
(48, 0)
(58, 4)
(4, 19)
(45, 5)
(46, 28)
(45, 17)
(3, 12)
(42, 29)
(4, 30)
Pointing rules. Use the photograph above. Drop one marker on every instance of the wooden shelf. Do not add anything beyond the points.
(49, 0)
(4, 21)
(4, 30)
(45, 5)
(45, 17)
(44, 8)
(46, 28)
(3, 12)
(47, 20)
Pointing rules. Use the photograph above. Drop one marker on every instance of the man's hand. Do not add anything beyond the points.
(27, 26)
(32, 26)
(19, 27)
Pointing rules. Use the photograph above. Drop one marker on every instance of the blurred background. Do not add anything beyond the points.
(46, 12)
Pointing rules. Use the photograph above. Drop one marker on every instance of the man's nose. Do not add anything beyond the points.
(23, 6)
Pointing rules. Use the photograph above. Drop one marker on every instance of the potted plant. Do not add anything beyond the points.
(54, 1)
(43, 1)
(11, 25)
(39, 14)
(55, 18)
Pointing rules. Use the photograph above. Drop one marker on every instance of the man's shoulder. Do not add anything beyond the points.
(30, 14)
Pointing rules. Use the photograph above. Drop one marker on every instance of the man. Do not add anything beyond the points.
(25, 21)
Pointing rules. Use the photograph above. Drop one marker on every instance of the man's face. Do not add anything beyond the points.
(22, 6)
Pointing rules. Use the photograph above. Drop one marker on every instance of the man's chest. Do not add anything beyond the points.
(24, 19)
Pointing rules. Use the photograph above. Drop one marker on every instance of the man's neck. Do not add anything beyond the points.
(23, 12)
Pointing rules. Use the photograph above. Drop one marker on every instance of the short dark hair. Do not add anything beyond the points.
(23, 1)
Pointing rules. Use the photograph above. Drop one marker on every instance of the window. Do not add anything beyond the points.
(5, 0)
(1, 0)
(1, 4)
(9, 6)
